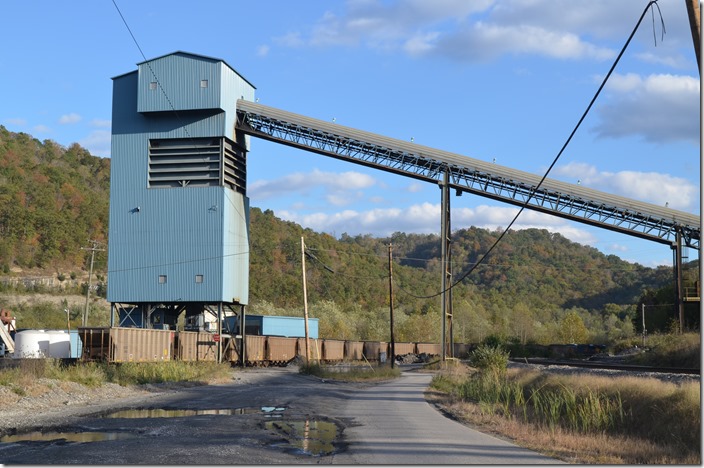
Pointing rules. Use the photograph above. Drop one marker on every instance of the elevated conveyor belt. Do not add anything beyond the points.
(570, 201)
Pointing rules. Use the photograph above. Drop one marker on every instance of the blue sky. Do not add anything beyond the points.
(494, 80)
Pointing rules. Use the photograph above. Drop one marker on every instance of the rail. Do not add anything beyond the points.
(605, 365)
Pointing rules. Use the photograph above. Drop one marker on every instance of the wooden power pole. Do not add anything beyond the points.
(391, 309)
(305, 298)
(695, 26)
(92, 249)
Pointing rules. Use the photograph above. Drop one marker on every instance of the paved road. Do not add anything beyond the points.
(269, 416)
(393, 424)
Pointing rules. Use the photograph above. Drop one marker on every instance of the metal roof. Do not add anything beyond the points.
(198, 56)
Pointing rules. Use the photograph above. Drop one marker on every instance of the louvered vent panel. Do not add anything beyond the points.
(197, 162)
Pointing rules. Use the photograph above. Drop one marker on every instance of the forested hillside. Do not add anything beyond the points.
(535, 287)
(52, 201)
(529, 285)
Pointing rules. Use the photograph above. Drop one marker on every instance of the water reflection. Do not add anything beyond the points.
(67, 436)
(311, 437)
(183, 413)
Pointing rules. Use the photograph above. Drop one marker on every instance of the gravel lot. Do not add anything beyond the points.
(248, 437)
(52, 402)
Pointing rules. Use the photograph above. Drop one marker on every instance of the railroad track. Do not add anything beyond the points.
(607, 365)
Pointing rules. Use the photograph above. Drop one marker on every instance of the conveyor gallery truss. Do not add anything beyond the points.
(464, 174)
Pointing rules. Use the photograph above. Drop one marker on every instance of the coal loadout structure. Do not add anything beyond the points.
(179, 211)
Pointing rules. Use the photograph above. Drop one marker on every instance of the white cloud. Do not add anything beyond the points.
(97, 143)
(340, 187)
(485, 41)
(425, 219)
(16, 121)
(389, 25)
(498, 217)
(652, 187)
(41, 129)
(658, 108)
(415, 187)
(263, 50)
(675, 60)
(68, 119)
(470, 31)
(421, 43)
(100, 123)
(290, 40)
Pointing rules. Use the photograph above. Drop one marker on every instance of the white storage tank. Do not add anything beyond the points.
(59, 344)
(31, 344)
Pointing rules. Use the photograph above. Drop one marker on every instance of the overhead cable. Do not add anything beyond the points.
(559, 154)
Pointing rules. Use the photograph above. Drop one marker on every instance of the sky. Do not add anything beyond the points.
(495, 80)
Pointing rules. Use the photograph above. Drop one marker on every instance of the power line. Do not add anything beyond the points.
(158, 82)
(559, 154)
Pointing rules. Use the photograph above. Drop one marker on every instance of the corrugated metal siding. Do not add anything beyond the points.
(177, 84)
(403, 348)
(280, 349)
(177, 233)
(429, 348)
(373, 349)
(235, 275)
(333, 350)
(140, 345)
(234, 88)
(354, 350)
(183, 232)
(314, 344)
(255, 348)
(196, 346)
(288, 326)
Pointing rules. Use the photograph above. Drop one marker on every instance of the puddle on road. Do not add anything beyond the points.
(268, 411)
(67, 436)
(310, 437)
(81, 437)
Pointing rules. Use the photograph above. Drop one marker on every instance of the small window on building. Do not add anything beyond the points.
(203, 83)
(199, 279)
(162, 279)
(152, 85)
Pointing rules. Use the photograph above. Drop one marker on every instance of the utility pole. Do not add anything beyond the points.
(92, 249)
(305, 297)
(642, 313)
(679, 304)
(444, 253)
(391, 308)
(695, 24)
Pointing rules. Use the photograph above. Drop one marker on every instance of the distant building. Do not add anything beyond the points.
(179, 212)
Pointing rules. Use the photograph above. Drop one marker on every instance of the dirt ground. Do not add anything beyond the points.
(48, 401)
(250, 437)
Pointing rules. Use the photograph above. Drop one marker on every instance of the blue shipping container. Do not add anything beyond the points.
(273, 325)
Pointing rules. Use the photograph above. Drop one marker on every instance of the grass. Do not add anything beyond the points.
(581, 418)
(671, 350)
(351, 374)
(92, 374)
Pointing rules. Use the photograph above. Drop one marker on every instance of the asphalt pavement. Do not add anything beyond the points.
(393, 424)
(266, 416)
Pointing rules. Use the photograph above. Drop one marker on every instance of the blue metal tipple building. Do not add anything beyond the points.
(179, 212)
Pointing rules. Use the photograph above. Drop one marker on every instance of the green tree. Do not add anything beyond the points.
(572, 329)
